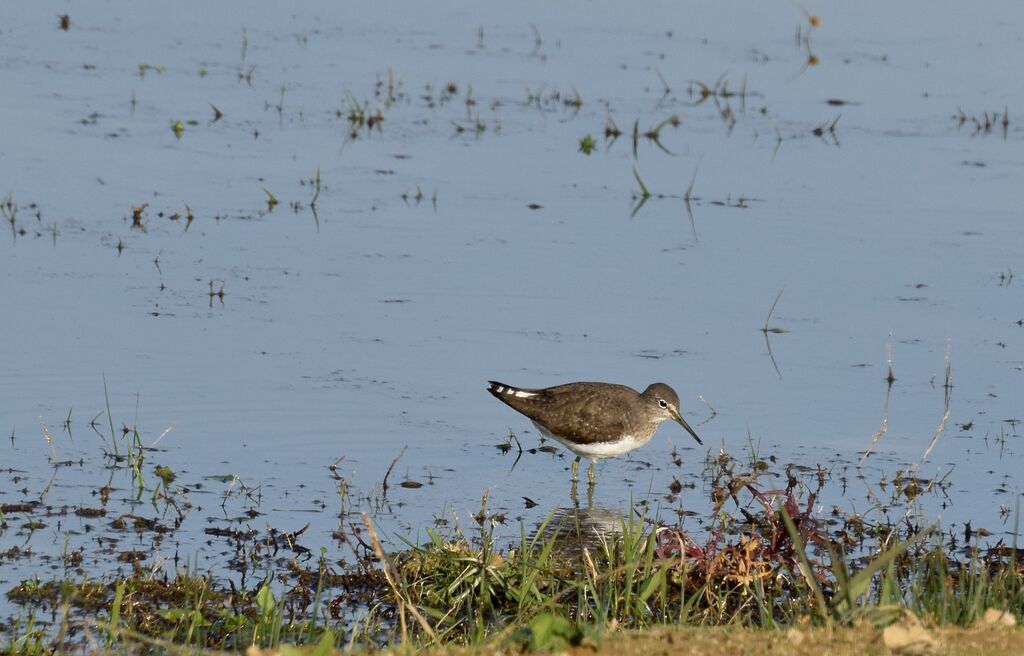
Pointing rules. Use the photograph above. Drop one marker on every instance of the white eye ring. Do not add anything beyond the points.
(662, 403)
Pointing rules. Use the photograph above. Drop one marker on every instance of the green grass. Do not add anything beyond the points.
(760, 559)
(545, 592)
(549, 589)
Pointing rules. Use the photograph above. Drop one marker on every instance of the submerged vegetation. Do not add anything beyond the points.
(106, 546)
(761, 558)
(558, 585)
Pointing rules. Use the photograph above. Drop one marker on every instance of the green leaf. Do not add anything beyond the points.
(644, 193)
(115, 611)
(165, 474)
(859, 583)
(325, 647)
(652, 584)
(805, 566)
(265, 601)
(553, 632)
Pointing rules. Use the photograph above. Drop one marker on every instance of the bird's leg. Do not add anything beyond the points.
(590, 473)
(576, 469)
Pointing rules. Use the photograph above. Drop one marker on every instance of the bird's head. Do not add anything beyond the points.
(664, 400)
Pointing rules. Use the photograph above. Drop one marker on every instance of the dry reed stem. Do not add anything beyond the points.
(884, 428)
(49, 439)
(394, 579)
(948, 385)
(384, 484)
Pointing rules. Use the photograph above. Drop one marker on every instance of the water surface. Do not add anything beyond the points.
(465, 237)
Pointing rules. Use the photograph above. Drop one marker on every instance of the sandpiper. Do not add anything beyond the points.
(595, 420)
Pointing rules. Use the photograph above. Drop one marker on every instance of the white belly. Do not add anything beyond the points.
(598, 450)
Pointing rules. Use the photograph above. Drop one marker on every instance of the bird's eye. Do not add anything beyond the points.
(662, 403)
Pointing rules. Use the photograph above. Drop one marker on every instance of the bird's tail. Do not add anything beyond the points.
(498, 389)
(506, 392)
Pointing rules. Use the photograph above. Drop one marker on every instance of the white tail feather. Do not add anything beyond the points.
(511, 391)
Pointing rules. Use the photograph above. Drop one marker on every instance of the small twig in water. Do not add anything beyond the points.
(711, 409)
(394, 462)
(688, 196)
(766, 329)
(889, 378)
(689, 190)
(948, 386)
(644, 192)
(664, 85)
(515, 438)
(162, 435)
(884, 428)
(49, 439)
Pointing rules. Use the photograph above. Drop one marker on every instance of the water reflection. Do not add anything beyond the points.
(572, 529)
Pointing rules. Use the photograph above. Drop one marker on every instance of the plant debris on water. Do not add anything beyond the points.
(113, 540)
(765, 555)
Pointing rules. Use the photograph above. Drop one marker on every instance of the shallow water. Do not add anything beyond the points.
(374, 325)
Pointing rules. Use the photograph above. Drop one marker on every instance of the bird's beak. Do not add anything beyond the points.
(682, 422)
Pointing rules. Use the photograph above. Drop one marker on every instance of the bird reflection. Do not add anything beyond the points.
(573, 529)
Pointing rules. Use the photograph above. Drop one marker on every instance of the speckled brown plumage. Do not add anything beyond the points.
(585, 416)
